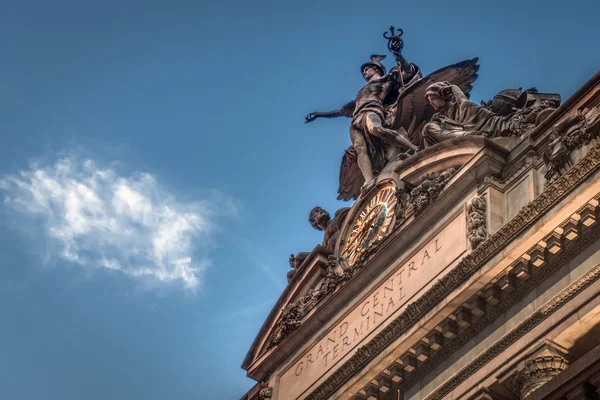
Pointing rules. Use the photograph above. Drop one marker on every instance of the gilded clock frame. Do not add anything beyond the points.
(355, 215)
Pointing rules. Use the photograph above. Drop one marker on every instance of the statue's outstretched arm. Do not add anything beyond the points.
(346, 111)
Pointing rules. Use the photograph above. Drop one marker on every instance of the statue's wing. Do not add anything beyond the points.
(412, 103)
(351, 178)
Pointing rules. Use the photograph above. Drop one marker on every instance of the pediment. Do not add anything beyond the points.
(296, 303)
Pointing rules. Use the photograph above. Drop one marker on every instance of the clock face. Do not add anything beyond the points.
(372, 224)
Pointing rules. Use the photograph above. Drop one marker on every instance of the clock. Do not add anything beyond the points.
(373, 222)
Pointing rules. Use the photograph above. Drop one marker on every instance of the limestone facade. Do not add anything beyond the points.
(486, 284)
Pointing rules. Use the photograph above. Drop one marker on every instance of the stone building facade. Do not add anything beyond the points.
(470, 270)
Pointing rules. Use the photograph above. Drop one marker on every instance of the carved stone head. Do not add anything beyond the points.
(439, 95)
(319, 218)
(373, 69)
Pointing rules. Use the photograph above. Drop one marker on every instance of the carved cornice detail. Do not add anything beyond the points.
(494, 312)
(528, 324)
(465, 268)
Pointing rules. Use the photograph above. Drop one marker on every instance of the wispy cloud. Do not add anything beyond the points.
(95, 217)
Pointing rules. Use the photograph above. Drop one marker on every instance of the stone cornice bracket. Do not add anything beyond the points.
(539, 368)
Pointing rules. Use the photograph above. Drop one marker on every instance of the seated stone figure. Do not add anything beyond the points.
(321, 221)
(457, 116)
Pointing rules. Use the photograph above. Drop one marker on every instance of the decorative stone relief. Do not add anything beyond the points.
(293, 313)
(423, 195)
(266, 392)
(570, 134)
(476, 221)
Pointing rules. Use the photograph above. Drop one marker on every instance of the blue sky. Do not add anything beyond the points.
(155, 171)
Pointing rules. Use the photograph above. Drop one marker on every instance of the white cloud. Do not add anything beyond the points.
(94, 217)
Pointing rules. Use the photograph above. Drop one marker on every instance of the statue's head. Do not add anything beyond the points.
(371, 71)
(373, 68)
(319, 218)
(439, 95)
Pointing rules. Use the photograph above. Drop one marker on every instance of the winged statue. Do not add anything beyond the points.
(410, 111)
(389, 113)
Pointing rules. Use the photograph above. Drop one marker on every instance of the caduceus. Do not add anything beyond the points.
(395, 45)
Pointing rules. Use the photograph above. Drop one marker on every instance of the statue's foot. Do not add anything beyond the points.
(368, 185)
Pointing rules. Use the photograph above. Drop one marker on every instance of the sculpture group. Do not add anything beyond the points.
(394, 116)
(399, 113)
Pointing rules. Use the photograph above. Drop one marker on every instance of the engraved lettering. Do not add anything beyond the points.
(301, 367)
(363, 312)
(375, 313)
(326, 354)
(390, 304)
(343, 327)
(411, 267)
(320, 351)
(402, 294)
(425, 257)
(375, 299)
(309, 359)
(391, 288)
(400, 276)
(379, 305)
(335, 351)
(358, 333)
(330, 340)
(345, 342)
